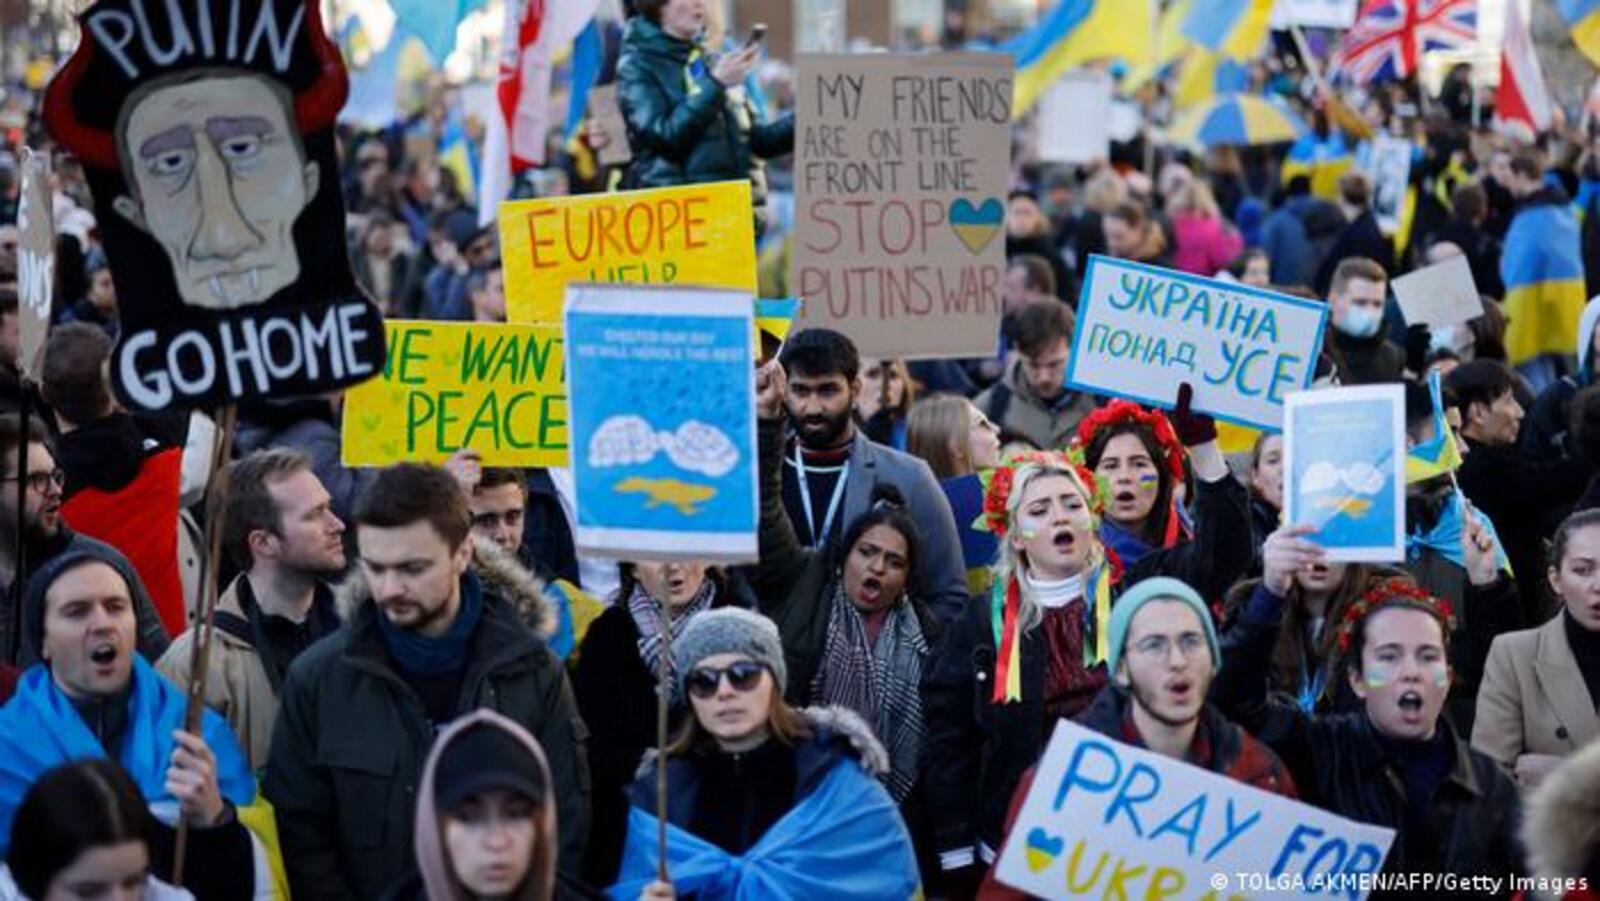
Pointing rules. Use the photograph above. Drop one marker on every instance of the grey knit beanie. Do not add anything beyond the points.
(729, 630)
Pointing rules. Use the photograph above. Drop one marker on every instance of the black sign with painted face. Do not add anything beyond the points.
(206, 130)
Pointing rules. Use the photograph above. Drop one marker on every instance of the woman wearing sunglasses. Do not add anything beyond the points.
(763, 800)
(615, 685)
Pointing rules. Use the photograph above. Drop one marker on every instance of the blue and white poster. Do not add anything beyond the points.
(1344, 470)
(663, 432)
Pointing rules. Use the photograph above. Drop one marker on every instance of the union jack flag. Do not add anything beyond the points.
(1389, 35)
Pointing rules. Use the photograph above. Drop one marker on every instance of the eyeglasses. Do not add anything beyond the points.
(40, 481)
(743, 676)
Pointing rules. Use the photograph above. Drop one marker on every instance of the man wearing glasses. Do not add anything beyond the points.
(46, 535)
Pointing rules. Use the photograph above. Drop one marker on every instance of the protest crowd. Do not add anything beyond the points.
(1185, 404)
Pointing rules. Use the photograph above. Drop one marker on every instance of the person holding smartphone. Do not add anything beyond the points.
(688, 115)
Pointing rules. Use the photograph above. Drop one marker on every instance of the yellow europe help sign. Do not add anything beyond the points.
(495, 388)
(694, 235)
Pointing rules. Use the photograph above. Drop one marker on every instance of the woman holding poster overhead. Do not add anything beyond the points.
(1398, 762)
(1139, 455)
(1030, 651)
(689, 119)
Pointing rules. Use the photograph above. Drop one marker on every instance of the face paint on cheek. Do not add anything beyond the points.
(1149, 482)
(1378, 674)
(1438, 673)
(1029, 534)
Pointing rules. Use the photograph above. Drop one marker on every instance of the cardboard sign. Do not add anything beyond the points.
(1144, 330)
(1313, 13)
(206, 131)
(1106, 819)
(901, 170)
(701, 235)
(1075, 118)
(1344, 453)
(36, 261)
(1388, 166)
(663, 442)
(603, 109)
(495, 388)
(1441, 294)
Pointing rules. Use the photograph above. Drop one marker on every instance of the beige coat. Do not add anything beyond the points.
(237, 687)
(1533, 699)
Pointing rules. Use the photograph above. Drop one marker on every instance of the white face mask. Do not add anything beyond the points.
(1359, 322)
(1457, 338)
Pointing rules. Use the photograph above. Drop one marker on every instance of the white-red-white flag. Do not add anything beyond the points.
(1521, 105)
(535, 31)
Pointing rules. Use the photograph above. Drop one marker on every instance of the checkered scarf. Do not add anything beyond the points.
(881, 682)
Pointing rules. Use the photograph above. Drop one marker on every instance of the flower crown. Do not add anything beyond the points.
(1391, 592)
(998, 482)
(1122, 411)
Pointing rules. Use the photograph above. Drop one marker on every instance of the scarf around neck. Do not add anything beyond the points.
(881, 680)
(423, 656)
(646, 612)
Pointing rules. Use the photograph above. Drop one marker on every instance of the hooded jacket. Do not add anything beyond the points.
(150, 635)
(436, 881)
(124, 476)
(683, 126)
(351, 738)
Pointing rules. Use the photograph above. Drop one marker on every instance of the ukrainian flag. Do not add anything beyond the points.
(1440, 454)
(1583, 17)
(1076, 32)
(1170, 47)
(1236, 29)
(1542, 266)
(1322, 159)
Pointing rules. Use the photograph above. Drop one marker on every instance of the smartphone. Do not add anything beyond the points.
(758, 33)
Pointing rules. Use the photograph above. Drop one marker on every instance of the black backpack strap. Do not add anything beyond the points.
(234, 625)
(999, 403)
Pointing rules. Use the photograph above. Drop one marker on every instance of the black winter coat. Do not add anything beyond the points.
(683, 126)
(351, 739)
(1339, 765)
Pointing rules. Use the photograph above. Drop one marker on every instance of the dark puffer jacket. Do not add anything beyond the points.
(683, 126)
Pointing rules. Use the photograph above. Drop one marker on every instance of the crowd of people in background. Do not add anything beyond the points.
(418, 688)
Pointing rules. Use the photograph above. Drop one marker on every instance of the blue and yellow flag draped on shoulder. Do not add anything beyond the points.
(1542, 267)
(1075, 32)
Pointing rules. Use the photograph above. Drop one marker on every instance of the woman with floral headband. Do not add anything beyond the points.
(1031, 651)
(1396, 762)
(1138, 457)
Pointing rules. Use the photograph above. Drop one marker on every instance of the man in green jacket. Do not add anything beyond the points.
(425, 641)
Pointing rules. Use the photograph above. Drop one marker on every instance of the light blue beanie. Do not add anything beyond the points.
(1160, 588)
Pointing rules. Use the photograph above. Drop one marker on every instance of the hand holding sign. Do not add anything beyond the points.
(1287, 553)
(772, 385)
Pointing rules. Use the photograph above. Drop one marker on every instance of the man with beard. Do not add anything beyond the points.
(1398, 762)
(832, 471)
(1163, 655)
(45, 536)
(279, 528)
(428, 637)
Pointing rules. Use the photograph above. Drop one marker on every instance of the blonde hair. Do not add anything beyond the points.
(937, 423)
(1104, 192)
(1012, 563)
(1195, 198)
